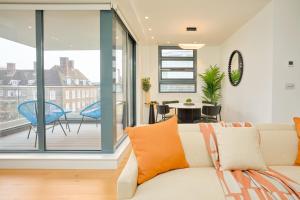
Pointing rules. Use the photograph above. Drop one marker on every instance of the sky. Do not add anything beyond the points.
(87, 61)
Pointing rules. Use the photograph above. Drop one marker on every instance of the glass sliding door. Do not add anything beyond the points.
(130, 81)
(18, 108)
(72, 80)
(124, 79)
(121, 80)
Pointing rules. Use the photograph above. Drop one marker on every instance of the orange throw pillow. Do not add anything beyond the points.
(297, 125)
(157, 148)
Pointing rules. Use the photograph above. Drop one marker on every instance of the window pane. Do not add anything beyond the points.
(177, 75)
(177, 87)
(121, 77)
(130, 45)
(177, 64)
(72, 80)
(17, 80)
(176, 53)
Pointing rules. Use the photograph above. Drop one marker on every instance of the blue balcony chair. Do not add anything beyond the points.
(53, 113)
(92, 111)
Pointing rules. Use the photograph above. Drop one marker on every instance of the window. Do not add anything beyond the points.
(67, 106)
(11, 93)
(73, 107)
(177, 70)
(14, 82)
(17, 77)
(67, 94)
(68, 81)
(73, 94)
(66, 67)
(72, 57)
(52, 95)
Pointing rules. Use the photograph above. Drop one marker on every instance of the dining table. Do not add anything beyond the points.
(187, 113)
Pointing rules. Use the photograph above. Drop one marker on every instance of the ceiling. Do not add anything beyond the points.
(215, 20)
(63, 30)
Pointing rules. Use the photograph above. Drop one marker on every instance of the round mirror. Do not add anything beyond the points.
(235, 68)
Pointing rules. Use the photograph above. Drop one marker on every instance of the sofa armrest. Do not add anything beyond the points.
(127, 181)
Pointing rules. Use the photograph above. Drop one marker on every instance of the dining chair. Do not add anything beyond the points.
(211, 113)
(171, 102)
(162, 110)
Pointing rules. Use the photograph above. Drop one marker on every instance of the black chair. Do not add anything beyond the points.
(211, 113)
(170, 102)
(163, 110)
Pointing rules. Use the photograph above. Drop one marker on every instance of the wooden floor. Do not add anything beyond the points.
(60, 184)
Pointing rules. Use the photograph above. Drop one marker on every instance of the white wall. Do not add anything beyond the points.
(267, 41)
(252, 99)
(286, 103)
(148, 64)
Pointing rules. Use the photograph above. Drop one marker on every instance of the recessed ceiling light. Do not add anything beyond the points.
(29, 27)
(152, 37)
(168, 42)
(146, 17)
(149, 29)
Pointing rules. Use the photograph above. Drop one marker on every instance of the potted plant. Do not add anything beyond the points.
(211, 88)
(146, 85)
(188, 102)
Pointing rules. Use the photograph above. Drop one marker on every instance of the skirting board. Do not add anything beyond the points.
(63, 161)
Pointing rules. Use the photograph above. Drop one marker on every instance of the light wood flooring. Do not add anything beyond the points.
(60, 184)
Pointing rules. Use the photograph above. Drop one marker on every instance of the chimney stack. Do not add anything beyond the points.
(64, 62)
(11, 68)
(71, 64)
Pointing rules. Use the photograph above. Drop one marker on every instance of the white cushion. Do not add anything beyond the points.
(239, 148)
(189, 184)
(194, 145)
(279, 143)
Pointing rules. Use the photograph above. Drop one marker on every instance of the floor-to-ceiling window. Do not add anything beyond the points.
(72, 79)
(124, 79)
(131, 81)
(50, 63)
(17, 80)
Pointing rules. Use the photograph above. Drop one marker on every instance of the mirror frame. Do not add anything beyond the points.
(240, 67)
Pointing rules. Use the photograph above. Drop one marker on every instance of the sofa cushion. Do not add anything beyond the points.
(194, 145)
(190, 183)
(157, 148)
(297, 125)
(239, 149)
(279, 144)
(292, 172)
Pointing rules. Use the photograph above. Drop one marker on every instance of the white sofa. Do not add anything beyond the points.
(279, 146)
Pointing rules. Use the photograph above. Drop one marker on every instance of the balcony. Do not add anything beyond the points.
(14, 128)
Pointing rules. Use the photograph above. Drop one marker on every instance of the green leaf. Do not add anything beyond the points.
(211, 87)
